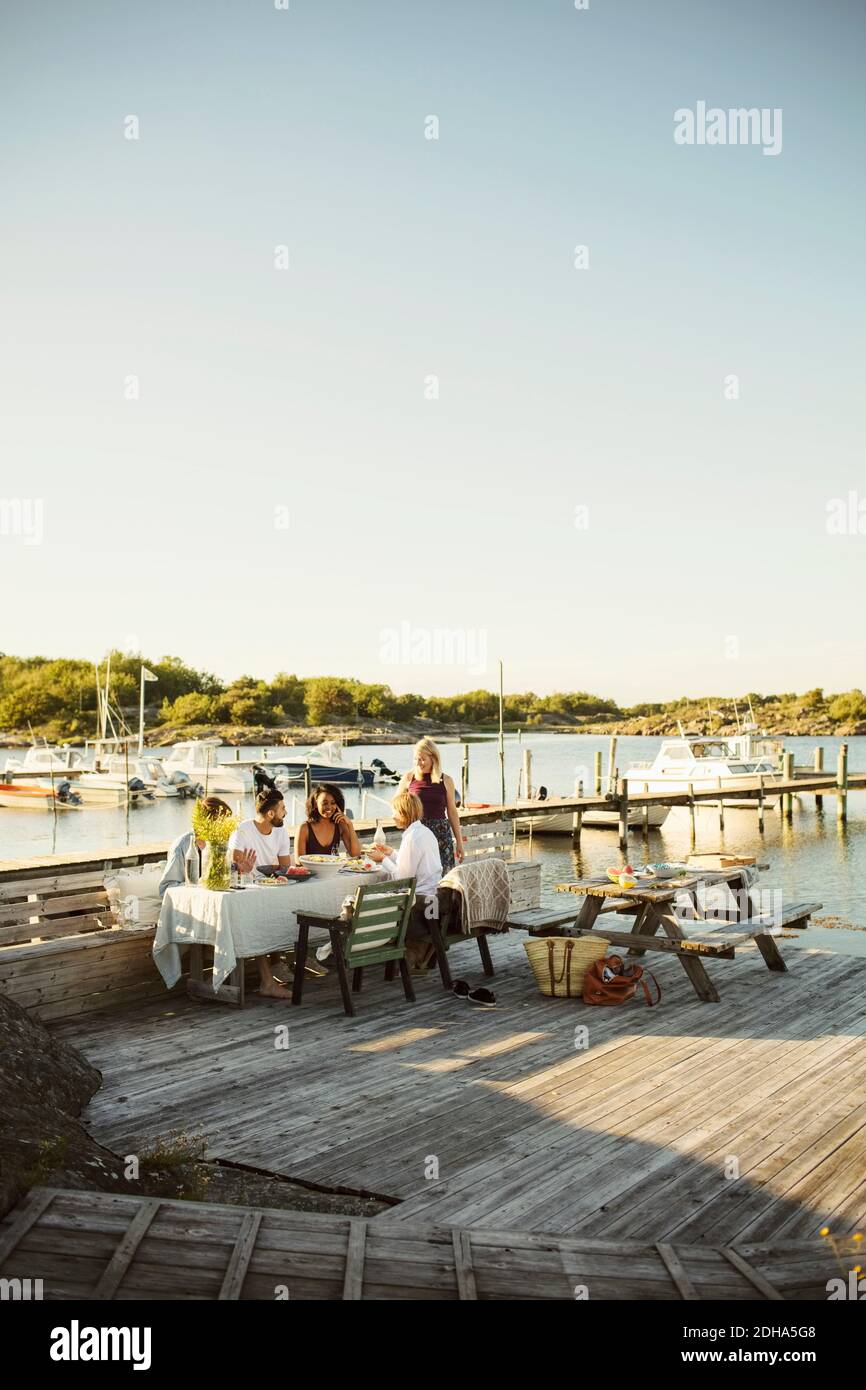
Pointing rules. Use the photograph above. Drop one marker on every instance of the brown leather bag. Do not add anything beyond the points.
(609, 981)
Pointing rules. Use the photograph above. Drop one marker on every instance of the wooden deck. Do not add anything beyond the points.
(492, 1120)
(86, 1245)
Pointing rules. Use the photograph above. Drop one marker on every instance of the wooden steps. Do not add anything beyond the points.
(96, 1245)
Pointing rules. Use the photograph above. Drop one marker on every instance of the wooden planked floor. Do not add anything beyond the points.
(85, 1245)
(723, 1124)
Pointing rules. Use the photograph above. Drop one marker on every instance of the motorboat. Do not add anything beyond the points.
(562, 822)
(46, 760)
(709, 763)
(197, 757)
(21, 796)
(325, 764)
(149, 771)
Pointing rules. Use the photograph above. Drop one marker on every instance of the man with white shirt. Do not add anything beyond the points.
(417, 857)
(266, 833)
(267, 837)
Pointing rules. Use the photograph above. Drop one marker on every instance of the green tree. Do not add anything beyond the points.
(193, 708)
(288, 692)
(328, 700)
(850, 706)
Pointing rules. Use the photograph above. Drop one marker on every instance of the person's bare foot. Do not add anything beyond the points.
(274, 990)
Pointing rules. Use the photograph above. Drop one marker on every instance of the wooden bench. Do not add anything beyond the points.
(61, 951)
(546, 921)
(718, 944)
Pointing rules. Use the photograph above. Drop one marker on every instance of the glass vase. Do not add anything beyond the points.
(217, 874)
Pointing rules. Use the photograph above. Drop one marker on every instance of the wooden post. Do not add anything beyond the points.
(788, 775)
(577, 818)
(611, 770)
(308, 782)
(598, 774)
(527, 773)
(818, 764)
(464, 775)
(721, 810)
(692, 812)
(238, 754)
(761, 802)
(623, 818)
(646, 810)
(842, 783)
(501, 739)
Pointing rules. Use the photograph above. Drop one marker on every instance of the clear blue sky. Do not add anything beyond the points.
(559, 388)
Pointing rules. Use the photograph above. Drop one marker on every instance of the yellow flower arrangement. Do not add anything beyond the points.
(215, 831)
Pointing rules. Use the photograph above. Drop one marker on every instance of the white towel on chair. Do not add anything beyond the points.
(486, 893)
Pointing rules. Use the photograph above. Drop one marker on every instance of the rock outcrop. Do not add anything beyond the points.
(44, 1086)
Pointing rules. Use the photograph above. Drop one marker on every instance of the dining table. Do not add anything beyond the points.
(239, 923)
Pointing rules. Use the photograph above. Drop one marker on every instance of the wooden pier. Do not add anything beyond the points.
(734, 1127)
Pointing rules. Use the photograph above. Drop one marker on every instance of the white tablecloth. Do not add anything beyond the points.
(240, 924)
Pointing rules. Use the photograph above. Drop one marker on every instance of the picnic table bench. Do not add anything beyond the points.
(652, 904)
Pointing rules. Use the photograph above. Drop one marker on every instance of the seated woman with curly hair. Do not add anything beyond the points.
(327, 827)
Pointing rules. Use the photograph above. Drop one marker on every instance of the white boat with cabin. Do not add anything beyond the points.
(150, 772)
(708, 763)
(44, 760)
(197, 757)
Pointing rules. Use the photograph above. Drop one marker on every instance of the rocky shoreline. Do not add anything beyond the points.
(366, 733)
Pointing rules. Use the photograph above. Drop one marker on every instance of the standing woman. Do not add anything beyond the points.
(435, 790)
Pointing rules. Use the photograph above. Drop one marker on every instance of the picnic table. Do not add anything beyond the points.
(652, 902)
(241, 923)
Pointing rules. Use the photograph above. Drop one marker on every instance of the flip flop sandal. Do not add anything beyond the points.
(484, 998)
(461, 989)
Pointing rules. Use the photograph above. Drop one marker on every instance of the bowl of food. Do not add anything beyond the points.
(666, 870)
(322, 864)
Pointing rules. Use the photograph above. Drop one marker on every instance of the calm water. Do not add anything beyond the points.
(809, 857)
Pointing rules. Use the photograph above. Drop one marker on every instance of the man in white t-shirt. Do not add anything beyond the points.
(267, 836)
(266, 833)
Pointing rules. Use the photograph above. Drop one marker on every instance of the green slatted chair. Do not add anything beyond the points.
(376, 935)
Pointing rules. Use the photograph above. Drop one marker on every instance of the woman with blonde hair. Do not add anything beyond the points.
(418, 858)
(435, 790)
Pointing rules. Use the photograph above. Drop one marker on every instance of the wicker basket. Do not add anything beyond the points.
(559, 963)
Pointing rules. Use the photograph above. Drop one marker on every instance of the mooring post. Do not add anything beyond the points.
(611, 770)
(721, 810)
(598, 773)
(788, 776)
(577, 818)
(818, 765)
(527, 773)
(623, 818)
(464, 775)
(761, 802)
(646, 810)
(842, 783)
(692, 812)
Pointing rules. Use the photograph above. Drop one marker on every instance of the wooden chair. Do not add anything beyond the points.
(376, 935)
